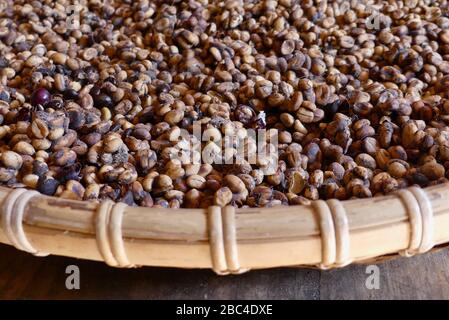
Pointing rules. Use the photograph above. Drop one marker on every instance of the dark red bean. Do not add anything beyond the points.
(41, 97)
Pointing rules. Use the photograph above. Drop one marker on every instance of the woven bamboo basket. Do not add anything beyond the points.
(325, 234)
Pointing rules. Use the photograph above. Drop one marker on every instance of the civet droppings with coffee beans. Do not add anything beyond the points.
(357, 92)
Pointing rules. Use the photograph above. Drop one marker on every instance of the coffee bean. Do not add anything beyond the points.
(47, 186)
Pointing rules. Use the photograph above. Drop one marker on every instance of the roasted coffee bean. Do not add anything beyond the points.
(70, 172)
(11, 159)
(77, 119)
(103, 100)
(47, 186)
(71, 94)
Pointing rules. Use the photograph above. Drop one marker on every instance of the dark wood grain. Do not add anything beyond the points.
(421, 277)
(23, 276)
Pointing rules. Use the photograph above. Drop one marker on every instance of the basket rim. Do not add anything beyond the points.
(325, 234)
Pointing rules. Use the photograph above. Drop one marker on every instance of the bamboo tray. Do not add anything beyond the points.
(326, 234)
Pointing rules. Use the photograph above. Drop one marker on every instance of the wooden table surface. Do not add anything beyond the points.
(23, 276)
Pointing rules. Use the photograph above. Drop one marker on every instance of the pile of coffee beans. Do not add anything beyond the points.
(94, 96)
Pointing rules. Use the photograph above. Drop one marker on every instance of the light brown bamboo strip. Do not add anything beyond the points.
(102, 217)
(230, 241)
(217, 250)
(6, 218)
(116, 237)
(327, 231)
(426, 219)
(342, 242)
(410, 202)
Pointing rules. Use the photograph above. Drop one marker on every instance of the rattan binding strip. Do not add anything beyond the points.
(420, 214)
(334, 231)
(108, 226)
(13, 208)
(223, 240)
(341, 225)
